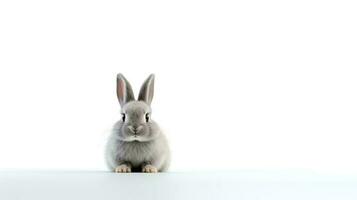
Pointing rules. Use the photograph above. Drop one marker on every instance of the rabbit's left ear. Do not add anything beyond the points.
(147, 90)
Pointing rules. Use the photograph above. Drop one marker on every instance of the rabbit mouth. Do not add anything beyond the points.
(135, 138)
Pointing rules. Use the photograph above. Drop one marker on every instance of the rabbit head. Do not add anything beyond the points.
(136, 123)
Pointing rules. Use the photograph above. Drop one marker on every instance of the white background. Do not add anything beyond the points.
(239, 84)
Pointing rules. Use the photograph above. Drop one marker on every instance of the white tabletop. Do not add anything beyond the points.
(242, 185)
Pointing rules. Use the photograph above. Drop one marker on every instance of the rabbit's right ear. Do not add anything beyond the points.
(124, 91)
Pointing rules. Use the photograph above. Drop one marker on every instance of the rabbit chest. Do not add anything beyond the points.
(136, 152)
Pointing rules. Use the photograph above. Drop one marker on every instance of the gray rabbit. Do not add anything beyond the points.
(137, 143)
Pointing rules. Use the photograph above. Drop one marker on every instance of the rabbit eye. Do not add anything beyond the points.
(147, 117)
(123, 117)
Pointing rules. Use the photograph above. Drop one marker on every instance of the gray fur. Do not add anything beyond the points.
(147, 90)
(124, 91)
(136, 142)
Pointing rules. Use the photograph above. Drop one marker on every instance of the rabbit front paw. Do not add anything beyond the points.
(122, 169)
(149, 169)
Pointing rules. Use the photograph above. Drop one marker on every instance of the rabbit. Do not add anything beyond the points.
(136, 143)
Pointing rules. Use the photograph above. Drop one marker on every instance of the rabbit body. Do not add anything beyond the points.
(136, 153)
(136, 143)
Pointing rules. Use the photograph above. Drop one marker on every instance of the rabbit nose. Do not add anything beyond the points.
(132, 128)
(135, 129)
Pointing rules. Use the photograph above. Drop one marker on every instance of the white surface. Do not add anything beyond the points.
(251, 84)
(20, 185)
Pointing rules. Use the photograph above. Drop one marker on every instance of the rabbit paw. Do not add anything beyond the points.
(149, 169)
(122, 169)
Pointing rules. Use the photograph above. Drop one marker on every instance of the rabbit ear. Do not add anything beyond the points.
(147, 90)
(124, 91)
